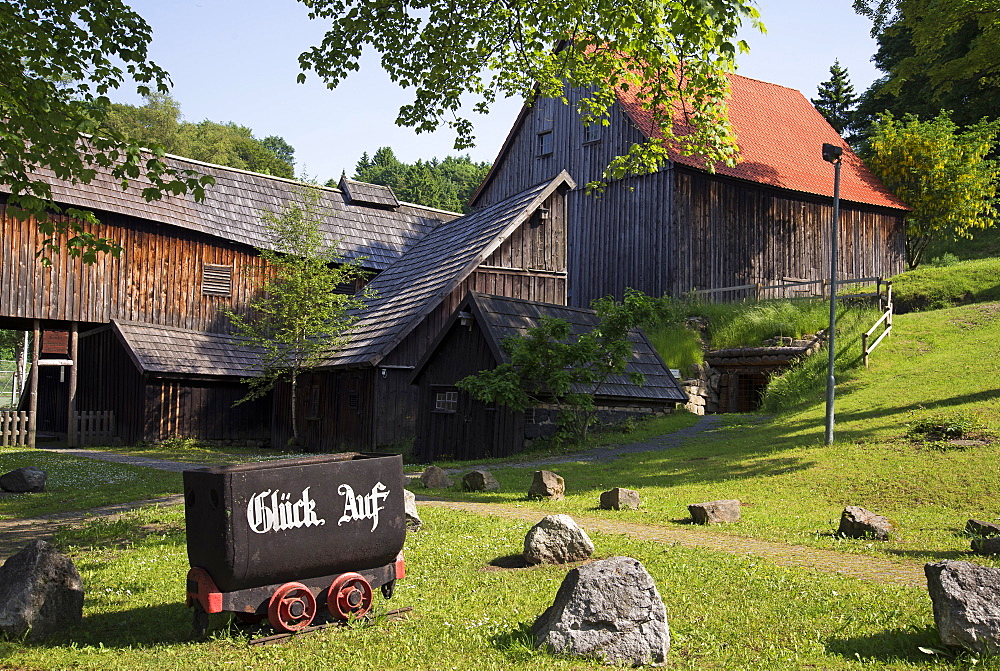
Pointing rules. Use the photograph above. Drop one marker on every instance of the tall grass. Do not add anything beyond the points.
(681, 342)
(936, 287)
(805, 382)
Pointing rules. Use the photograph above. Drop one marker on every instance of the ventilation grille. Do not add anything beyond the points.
(216, 280)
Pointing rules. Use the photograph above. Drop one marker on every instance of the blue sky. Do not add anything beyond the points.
(236, 60)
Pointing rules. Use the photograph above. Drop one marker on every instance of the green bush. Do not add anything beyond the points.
(946, 425)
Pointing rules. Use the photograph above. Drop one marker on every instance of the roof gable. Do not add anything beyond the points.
(499, 317)
(167, 350)
(416, 284)
(780, 136)
(232, 209)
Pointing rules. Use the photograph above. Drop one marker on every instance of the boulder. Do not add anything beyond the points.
(435, 478)
(966, 600)
(982, 529)
(557, 539)
(27, 479)
(609, 610)
(986, 546)
(480, 481)
(857, 522)
(547, 485)
(715, 512)
(619, 498)
(40, 593)
(413, 521)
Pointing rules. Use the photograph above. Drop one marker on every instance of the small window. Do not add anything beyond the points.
(446, 401)
(545, 143)
(352, 399)
(313, 402)
(592, 133)
(216, 280)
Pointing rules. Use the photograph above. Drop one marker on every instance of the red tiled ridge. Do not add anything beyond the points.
(780, 135)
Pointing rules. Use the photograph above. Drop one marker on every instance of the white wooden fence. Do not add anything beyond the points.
(886, 317)
(14, 428)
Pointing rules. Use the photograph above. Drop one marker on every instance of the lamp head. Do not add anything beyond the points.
(832, 152)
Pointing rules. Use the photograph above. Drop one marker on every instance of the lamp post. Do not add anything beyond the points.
(832, 153)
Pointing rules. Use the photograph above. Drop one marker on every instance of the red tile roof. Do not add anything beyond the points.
(780, 135)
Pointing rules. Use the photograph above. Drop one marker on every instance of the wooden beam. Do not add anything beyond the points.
(71, 400)
(33, 392)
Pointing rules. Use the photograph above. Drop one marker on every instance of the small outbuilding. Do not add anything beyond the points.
(451, 424)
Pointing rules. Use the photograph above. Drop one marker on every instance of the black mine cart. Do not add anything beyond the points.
(282, 539)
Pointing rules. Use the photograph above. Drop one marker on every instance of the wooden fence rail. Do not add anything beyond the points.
(886, 318)
(793, 283)
(95, 427)
(14, 428)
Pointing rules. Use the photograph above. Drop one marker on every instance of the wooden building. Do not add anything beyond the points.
(142, 335)
(685, 228)
(451, 424)
(362, 396)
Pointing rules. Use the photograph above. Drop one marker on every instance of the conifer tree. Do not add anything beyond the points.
(836, 100)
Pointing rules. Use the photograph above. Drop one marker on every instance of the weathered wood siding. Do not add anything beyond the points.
(681, 228)
(182, 408)
(475, 430)
(158, 278)
(335, 411)
(108, 379)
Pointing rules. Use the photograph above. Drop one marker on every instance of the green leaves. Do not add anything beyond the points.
(670, 53)
(941, 173)
(58, 61)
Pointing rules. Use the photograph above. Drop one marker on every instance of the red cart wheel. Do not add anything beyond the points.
(350, 594)
(291, 608)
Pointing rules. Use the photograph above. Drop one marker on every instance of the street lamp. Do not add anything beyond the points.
(832, 153)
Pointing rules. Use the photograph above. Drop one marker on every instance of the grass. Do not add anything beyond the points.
(191, 451)
(680, 341)
(794, 487)
(985, 244)
(932, 288)
(78, 484)
(725, 611)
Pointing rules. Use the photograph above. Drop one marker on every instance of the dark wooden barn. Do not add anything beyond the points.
(362, 397)
(685, 228)
(451, 424)
(142, 336)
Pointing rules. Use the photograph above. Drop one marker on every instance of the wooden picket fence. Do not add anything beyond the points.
(95, 427)
(14, 428)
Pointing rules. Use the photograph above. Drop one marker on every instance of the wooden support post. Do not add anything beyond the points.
(864, 348)
(71, 440)
(36, 343)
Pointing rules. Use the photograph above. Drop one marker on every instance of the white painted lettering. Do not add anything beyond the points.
(362, 506)
(274, 511)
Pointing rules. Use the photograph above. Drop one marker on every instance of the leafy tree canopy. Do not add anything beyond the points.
(548, 365)
(447, 184)
(59, 59)
(936, 55)
(301, 314)
(836, 99)
(941, 173)
(159, 122)
(672, 53)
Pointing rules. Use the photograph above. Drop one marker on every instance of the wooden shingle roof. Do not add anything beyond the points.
(232, 209)
(174, 351)
(499, 317)
(362, 193)
(414, 285)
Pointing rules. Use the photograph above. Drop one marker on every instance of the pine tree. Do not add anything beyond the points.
(836, 100)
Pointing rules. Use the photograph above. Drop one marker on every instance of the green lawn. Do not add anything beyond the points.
(725, 612)
(794, 487)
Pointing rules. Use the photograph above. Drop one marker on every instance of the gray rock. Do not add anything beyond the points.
(857, 522)
(40, 593)
(982, 529)
(557, 539)
(480, 481)
(547, 485)
(986, 546)
(27, 479)
(619, 498)
(966, 600)
(435, 478)
(609, 610)
(715, 512)
(413, 521)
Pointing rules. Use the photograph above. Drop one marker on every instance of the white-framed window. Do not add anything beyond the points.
(446, 401)
(592, 133)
